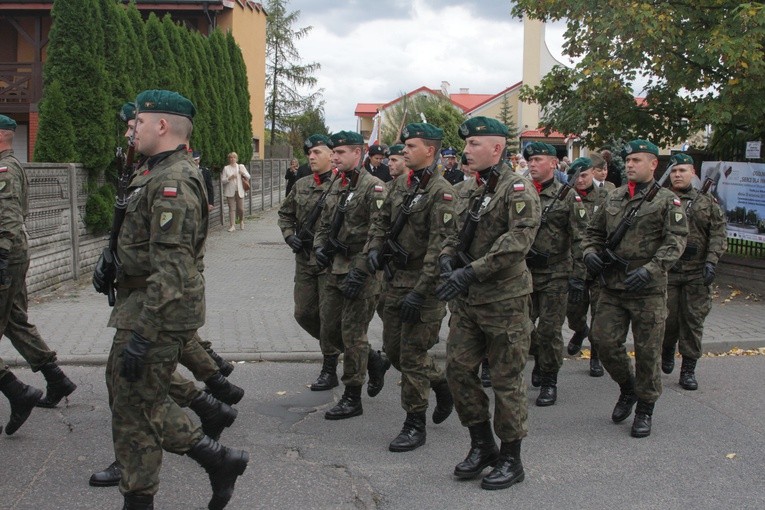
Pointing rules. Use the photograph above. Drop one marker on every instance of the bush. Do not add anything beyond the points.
(99, 209)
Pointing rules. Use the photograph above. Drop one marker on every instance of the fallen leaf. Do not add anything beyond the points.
(730, 456)
(280, 393)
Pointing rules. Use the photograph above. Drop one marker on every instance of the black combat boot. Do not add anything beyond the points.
(444, 401)
(109, 477)
(508, 470)
(668, 359)
(688, 374)
(214, 414)
(485, 374)
(223, 390)
(377, 365)
(548, 393)
(575, 344)
(223, 466)
(483, 452)
(596, 367)
(536, 375)
(641, 426)
(348, 406)
(627, 399)
(328, 376)
(224, 366)
(23, 399)
(412, 435)
(59, 385)
(138, 502)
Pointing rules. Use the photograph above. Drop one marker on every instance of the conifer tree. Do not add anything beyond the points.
(242, 98)
(55, 134)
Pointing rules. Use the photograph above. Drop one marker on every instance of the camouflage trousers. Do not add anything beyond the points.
(348, 319)
(14, 322)
(548, 311)
(646, 313)
(501, 331)
(576, 313)
(182, 390)
(144, 419)
(688, 303)
(308, 291)
(407, 345)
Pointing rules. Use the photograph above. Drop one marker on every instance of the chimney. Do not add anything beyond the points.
(445, 88)
(464, 91)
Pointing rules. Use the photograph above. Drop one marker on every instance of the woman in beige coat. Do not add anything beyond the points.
(231, 178)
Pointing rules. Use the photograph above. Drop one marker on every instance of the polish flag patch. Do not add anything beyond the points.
(170, 191)
(578, 198)
(676, 201)
(378, 189)
(448, 197)
(3, 168)
(519, 187)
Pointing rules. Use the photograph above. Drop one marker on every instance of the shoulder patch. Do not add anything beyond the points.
(448, 196)
(378, 189)
(519, 187)
(577, 198)
(3, 168)
(676, 201)
(170, 191)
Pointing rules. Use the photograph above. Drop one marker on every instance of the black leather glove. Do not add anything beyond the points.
(446, 266)
(411, 306)
(637, 279)
(708, 272)
(294, 242)
(594, 263)
(457, 283)
(373, 261)
(353, 283)
(104, 273)
(5, 278)
(576, 290)
(321, 257)
(133, 357)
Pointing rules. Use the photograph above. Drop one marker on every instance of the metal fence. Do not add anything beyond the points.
(744, 248)
(267, 189)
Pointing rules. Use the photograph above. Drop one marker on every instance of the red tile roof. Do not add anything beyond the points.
(539, 133)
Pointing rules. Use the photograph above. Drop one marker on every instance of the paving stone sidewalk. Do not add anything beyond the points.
(249, 307)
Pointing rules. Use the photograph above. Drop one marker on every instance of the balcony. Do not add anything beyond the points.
(20, 86)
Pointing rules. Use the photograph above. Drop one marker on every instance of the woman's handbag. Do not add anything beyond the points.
(245, 183)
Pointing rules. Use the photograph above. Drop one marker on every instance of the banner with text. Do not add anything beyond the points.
(740, 190)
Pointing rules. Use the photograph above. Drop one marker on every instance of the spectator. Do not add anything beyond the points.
(196, 155)
(231, 179)
(614, 172)
(291, 175)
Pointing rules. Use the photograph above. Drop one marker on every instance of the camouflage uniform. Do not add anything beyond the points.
(14, 324)
(384, 285)
(349, 318)
(592, 200)
(493, 318)
(309, 279)
(431, 220)
(161, 244)
(557, 235)
(655, 240)
(688, 299)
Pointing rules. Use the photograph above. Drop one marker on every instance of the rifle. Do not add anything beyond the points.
(306, 231)
(473, 218)
(608, 255)
(392, 252)
(334, 245)
(540, 259)
(707, 185)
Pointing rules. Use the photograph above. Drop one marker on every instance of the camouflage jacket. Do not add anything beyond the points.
(363, 203)
(296, 208)
(655, 240)
(161, 247)
(508, 225)
(592, 200)
(706, 232)
(559, 233)
(430, 222)
(14, 206)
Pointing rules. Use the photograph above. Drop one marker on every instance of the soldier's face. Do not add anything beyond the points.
(148, 128)
(584, 181)
(130, 128)
(346, 157)
(483, 151)
(319, 159)
(640, 167)
(681, 176)
(396, 165)
(541, 167)
(416, 154)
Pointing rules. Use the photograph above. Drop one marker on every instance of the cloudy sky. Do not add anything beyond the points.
(372, 51)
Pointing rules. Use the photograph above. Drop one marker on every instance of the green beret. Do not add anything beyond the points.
(396, 150)
(315, 141)
(422, 130)
(7, 123)
(482, 126)
(539, 149)
(638, 145)
(127, 112)
(580, 165)
(345, 138)
(680, 159)
(164, 101)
